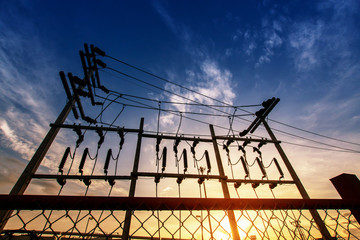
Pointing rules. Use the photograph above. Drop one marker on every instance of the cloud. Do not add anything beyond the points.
(304, 41)
(10, 170)
(28, 86)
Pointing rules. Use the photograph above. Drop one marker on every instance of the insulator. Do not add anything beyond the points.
(78, 80)
(237, 185)
(279, 168)
(240, 148)
(193, 146)
(87, 181)
(226, 148)
(82, 93)
(61, 180)
(208, 164)
(89, 120)
(268, 102)
(256, 150)
(80, 136)
(83, 158)
(63, 160)
(157, 179)
(122, 138)
(246, 142)
(261, 167)
(262, 143)
(101, 135)
(229, 142)
(244, 166)
(179, 180)
(176, 144)
(107, 161)
(255, 185)
(260, 112)
(185, 160)
(111, 181)
(104, 89)
(158, 141)
(99, 51)
(201, 180)
(164, 159)
(272, 185)
(100, 63)
(243, 133)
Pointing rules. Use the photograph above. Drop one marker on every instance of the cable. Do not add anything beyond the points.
(168, 81)
(317, 134)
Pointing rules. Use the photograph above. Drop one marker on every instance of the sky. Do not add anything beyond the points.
(306, 53)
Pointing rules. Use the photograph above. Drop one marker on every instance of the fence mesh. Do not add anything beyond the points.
(176, 224)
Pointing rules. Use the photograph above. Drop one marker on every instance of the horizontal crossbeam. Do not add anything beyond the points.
(47, 202)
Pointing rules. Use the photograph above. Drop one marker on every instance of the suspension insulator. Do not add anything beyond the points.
(261, 167)
(268, 102)
(107, 161)
(179, 180)
(157, 179)
(164, 159)
(83, 158)
(237, 185)
(122, 138)
(244, 166)
(185, 160)
(101, 136)
(246, 142)
(240, 148)
(229, 142)
(158, 141)
(243, 133)
(193, 146)
(80, 136)
(260, 112)
(111, 181)
(63, 160)
(208, 164)
(262, 143)
(61, 180)
(100, 63)
(99, 51)
(201, 180)
(272, 185)
(257, 150)
(176, 144)
(255, 185)
(87, 181)
(279, 168)
(226, 149)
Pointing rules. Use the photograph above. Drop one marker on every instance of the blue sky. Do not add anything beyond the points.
(304, 52)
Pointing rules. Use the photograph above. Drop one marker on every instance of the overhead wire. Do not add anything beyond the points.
(228, 105)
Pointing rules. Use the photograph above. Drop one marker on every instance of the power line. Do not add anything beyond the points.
(317, 134)
(171, 82)
(191, 90)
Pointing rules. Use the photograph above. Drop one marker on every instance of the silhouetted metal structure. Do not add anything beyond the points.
(129, 211)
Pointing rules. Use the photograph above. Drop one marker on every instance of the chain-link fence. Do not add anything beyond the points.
(177, 219)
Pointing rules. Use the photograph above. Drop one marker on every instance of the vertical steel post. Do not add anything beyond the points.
(25, 178)
(232, 219)
(325, 233)
(126, 231)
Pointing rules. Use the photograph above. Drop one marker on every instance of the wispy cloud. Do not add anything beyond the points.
(207, 78)
(27, 86)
